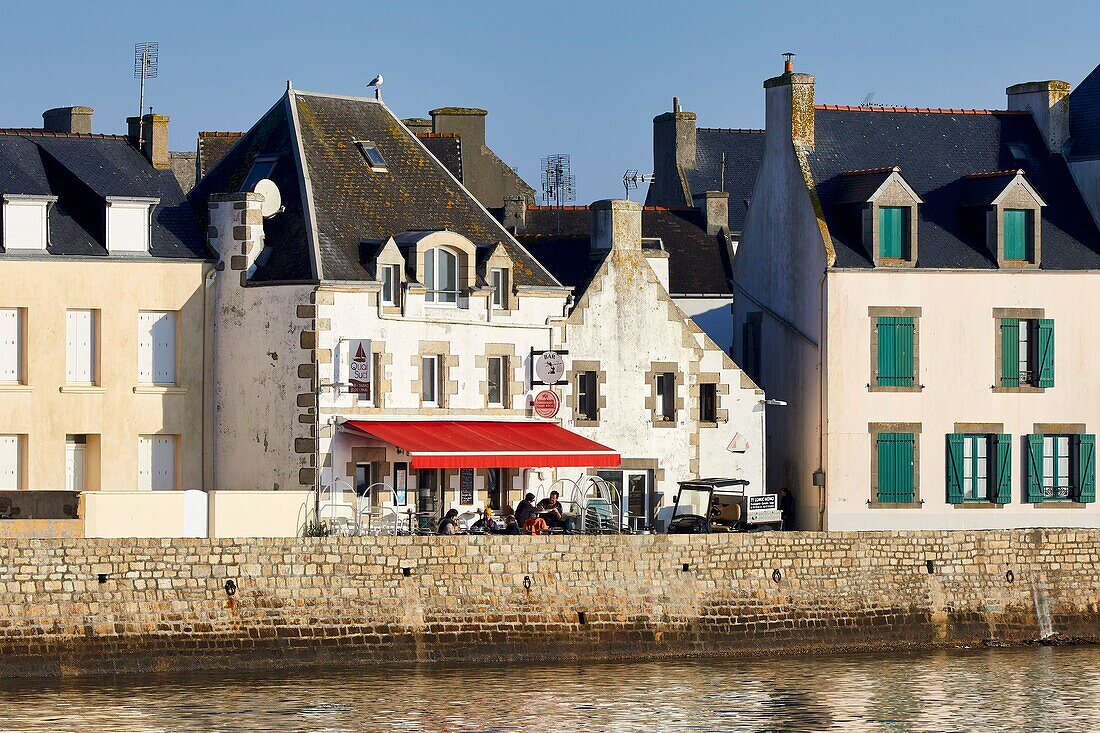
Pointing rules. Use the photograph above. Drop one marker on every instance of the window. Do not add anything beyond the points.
(429, 380)
(497, 280)
(751, 335)
(496, 381)
(1061, 467)
(128, 224)
(157, 462)
(895, 352)
(587, 397)
(11, 462)
(666, 396)
(26, 223)
(441, 275)
(979, 468)
(76, 462)
(80, 346)
(893, 232)
(708, 402)
(364, 473)
(261, 168)
(157, 347)
(895, 467)
(401, 483)
(1027, 352)
(391, 282)
(494, 488)
(1018, 234)
(372, 155)
(11, 346)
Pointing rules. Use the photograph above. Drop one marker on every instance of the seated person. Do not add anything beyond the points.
(486, 524)
(449, 524)
(510, 525)
(551, 511)
(526, 510)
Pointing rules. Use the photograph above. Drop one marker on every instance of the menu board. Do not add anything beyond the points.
(465, 486)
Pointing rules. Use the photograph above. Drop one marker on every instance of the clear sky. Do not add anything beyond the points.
(584, 78)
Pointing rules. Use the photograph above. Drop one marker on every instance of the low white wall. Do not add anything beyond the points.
(133, 514)
(227, 514)
(259, 513)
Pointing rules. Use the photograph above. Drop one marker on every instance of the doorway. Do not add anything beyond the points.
(428, 497)
(635, 488)
(76, 462)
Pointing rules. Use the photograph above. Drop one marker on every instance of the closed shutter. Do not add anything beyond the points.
(955, 468)
(25, 225)
(1015, 234)
(1035, 468)
(1086, 468)
(895, 352)
(127, 228)
(164, 348)
(164, 463)
(1002, 473)
(1010, 352)
(80, 347)
(9, 463)
(1046, 352)
(145, 347)
(892, 232)
(895, 467)
(10, 338)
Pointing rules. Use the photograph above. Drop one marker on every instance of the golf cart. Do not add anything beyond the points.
(710, 505)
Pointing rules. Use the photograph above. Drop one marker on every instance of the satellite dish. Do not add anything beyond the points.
(273, 200)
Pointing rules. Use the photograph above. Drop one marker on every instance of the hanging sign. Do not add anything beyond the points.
(359, 367)
(547, 403)
(739, 444)
(549, 367)
(465, 486)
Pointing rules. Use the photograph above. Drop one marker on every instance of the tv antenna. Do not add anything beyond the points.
(557, 183)
(145, 67)
(868, 101)
(632, 178)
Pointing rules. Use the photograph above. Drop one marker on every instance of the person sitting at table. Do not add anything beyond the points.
(551, 511)
(510, 525)
(486, 523)
(526, 510)
(449, 524)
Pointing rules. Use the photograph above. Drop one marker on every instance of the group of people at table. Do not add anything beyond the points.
(527, 518)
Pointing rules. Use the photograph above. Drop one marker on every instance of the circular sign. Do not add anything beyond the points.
(549, 367)
(547, 403)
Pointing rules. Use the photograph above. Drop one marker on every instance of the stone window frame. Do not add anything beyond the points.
(894, 192)
(576, 368)
(391, 256)
(979, 428)
(652, 401)
(1048, 428)
(1018, 194)
(874, 313)
(466, 267)
(500, 260)
(511, 386)
(446, 364)
(1029, 314)
(873, 430)
(381, 470)
(720, 389)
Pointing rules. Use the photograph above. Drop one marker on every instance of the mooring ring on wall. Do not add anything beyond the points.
(1010, 577)
(527, 582)
(231, 587)
(776, 575)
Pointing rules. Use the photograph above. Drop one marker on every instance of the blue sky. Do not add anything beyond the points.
(585, 78)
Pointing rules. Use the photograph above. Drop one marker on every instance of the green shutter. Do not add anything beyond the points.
(891, 232)
(1046, 352)
(895, 467)
(895, 352)
(1010, 352)
(1015, 234)
(1002, 469)
(1035, 468)
(955, 468)
(1086, 468)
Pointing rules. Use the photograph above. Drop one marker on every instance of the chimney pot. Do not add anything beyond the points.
(616, 225)
(675, 104)
(68, 119)
(788, 63)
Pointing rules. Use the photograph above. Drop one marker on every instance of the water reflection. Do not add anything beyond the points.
(1034, 689)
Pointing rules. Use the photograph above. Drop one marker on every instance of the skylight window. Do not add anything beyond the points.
(261, 169)
(372, 155)
(1019, 151)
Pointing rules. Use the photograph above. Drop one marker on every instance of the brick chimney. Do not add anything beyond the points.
(153, 134)
(616, 224)
(715, 206)
(673, 150)
(789, 105)
(1048, 102)
(68, 119)
(467, 122)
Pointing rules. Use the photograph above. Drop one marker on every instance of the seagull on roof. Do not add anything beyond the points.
(376, 81)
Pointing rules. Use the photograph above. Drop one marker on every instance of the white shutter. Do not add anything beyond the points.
(80, 347)
(127, 228)
(25, 225)
(145, 463)
(145, 347)
(164, 348)
(74, 466)
(164, 463)
(9, 462)
(10, 345)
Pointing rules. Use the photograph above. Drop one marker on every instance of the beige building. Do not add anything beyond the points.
(103, 315)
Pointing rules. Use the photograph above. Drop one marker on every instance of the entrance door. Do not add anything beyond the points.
(427, 497)
(635, 496)
(75, 465)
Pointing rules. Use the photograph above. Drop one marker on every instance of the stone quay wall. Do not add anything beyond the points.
(72, 607)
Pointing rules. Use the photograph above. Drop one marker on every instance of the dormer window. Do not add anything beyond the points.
(441, 276)
(893, 232)
(128, 227)
(390, 276)
(1019, 235)
(1010, 211)
(498, 281)
(372, 155)
(26, 222)
(883, 209)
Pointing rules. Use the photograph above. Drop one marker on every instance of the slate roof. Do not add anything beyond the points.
(1084, 117)
(447, 147)
(699, 264)
(744, 151)
(82, 170)
(936, 150)
(348, 202)
(212, 147)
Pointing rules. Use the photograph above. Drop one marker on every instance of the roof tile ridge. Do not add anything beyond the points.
(865, 171)
(436, 135)
(996, 174)
(751, 130)
(39, 132)
(657, 207)
(544, 207)
(927, 110)
(220, 133)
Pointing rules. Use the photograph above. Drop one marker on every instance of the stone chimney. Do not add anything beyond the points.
(152, 132)
(467, 122)
(673, 151)
(515, 213)
(68, 119)
(789, 105)
(715, 206)
(616, 224)
(1048, 102)
(417, 125)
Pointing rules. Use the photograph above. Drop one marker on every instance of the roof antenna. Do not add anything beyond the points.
(632, 178)
(788, 65)
(557, 184)
(722, 179)
(145, 67)
(376, 82)
(868, 101)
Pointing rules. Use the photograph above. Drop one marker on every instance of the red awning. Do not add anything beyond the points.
(476, 444)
